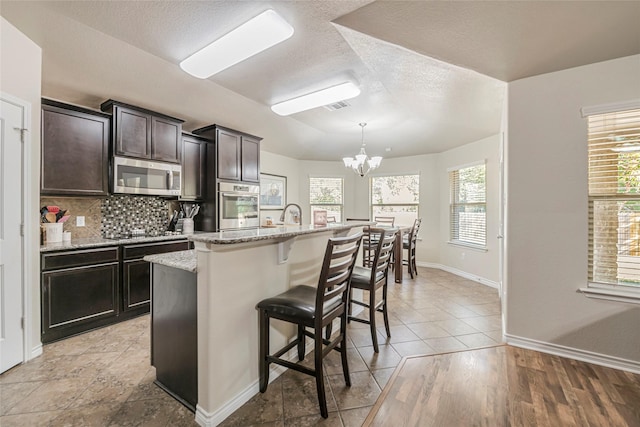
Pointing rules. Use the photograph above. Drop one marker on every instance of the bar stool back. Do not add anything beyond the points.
(315, 308)
(372, 279)
(410, 246)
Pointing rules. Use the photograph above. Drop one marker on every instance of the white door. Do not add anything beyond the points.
(12, 120)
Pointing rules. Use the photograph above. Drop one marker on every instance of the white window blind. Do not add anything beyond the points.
(614, 198)
(326, 193)
(468, 206)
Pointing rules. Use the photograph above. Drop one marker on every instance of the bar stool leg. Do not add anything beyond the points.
(372, 319)
(264, 350)
(322, 398)
(302, 343)
(385, 313)
(343, 350)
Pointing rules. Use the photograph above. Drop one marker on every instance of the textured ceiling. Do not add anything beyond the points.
(432, 74)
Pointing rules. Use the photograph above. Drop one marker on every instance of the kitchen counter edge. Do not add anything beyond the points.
(182, 260)
(275, 233)
(96, 242)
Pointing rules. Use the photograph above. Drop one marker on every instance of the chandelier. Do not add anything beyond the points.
(362, 164)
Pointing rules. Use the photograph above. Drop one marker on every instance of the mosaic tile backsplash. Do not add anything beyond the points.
(115, 215)
(121, 214)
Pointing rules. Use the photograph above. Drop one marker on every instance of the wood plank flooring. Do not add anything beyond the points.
(506, 386)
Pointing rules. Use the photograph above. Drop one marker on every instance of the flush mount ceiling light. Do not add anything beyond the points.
(252, 37)
(320, 98)
(362, 164)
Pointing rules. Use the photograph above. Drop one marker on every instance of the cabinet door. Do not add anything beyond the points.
(78, 299)
(136, 285)
(69, 139)
(193, 168)
(166, 141)
(132, 133)
(228, 149)
(250, 159)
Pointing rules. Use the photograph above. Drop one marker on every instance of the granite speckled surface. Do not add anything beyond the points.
(279, 232)
(183, 260)
(96, 242)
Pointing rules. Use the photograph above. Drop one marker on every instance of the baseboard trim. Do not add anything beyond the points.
(35, 352)
(574, 353)
(460, 273)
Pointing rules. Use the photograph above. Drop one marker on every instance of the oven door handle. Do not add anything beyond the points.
(236, 194)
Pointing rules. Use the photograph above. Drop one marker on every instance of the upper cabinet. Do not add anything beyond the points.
(144, 134)
(75, 150)
(237, 153)
(194, 155)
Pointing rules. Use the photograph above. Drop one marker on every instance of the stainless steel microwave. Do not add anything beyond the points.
(148, 177)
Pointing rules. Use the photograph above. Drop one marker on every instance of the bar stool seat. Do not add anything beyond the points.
(314, 308)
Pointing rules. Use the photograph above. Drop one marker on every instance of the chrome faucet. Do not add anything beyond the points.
(284, 211)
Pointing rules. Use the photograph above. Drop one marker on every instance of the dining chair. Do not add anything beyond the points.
(313, 307)
(370, 240)
(410, 245)
(372, 279)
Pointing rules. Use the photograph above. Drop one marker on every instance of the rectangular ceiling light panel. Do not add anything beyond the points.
(252, 37)
(320, 98)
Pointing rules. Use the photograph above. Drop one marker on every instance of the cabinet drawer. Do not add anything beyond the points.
(66, 259)
(139, 251)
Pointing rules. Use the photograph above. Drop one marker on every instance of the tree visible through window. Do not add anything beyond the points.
(397, 196)
(326, 194)
(614, 198)
(468, 206)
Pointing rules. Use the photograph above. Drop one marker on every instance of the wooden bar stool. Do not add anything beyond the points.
(370, 239)
(372, 279)
(315, 308)
(410, 246)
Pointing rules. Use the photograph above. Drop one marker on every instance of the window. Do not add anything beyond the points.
(614, 198)
(326, 194)
(468, 205)
(396, 196)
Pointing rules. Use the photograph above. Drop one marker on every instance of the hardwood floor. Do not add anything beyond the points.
(506, 386)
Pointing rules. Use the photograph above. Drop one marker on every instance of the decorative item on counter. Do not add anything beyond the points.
(187, 226)
(66, 236)
(52, 218)
(320, 218)
(53, 214)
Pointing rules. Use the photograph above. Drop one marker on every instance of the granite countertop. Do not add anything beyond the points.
(183, 260)
(272, 233)
(96, 242)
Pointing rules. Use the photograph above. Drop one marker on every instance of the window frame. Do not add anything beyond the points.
(452, 204)
(593, 289)
(371, 204)
(321, 205)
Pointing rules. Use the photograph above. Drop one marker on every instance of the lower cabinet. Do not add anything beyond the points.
(136, 274)
(79, 291)
(89, 288)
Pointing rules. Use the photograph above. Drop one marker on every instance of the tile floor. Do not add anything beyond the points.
(103, 378)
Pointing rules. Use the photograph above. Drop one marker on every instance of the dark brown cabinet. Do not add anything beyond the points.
(136, 274)
(145, 134)
(75, 150)
(79, 291)
(193, 167)
(237, 154)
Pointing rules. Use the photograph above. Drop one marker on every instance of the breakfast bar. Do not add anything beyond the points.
(235, 270)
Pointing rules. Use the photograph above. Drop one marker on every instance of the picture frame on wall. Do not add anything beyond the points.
(273, 191)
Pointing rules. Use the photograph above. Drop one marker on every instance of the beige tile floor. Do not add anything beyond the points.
(103, 378)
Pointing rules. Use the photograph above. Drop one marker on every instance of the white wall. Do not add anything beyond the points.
(20, 76)
(474, 262)
(547, 212)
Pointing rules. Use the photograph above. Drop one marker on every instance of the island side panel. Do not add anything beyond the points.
(232, 279)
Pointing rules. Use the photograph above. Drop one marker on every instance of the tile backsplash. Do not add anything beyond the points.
(114, 215)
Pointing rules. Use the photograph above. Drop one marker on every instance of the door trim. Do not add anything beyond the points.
(30, 349)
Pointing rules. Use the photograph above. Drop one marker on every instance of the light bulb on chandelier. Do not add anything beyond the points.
(362, 164)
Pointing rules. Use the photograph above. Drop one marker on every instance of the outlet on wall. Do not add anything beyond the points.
(79, 221)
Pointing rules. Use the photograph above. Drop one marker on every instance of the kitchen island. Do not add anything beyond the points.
(235, 270)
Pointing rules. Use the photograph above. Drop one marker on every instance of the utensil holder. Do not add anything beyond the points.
(187, 226)
(53, 232)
